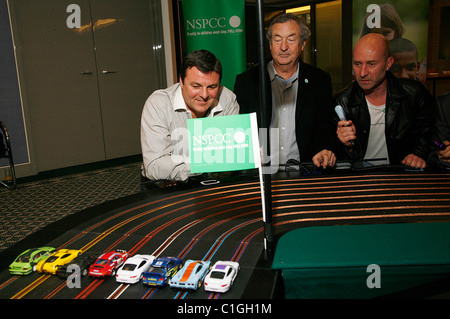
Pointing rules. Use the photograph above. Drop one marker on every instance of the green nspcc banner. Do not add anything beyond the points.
(219, 27)
(223, 143)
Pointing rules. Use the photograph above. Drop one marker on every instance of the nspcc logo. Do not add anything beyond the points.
(222, 143)
(223, 140)
(202, 24)
(222, 147)
(214, 25)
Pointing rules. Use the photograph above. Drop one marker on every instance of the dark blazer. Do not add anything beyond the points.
(314, 128)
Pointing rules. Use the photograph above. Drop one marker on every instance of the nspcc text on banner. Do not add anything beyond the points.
(218, 26)
(226, 143)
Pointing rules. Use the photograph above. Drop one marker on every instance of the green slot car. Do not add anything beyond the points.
(24, 263)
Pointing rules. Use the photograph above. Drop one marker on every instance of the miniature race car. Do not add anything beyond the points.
(131, 271)
(161, 270)
(221, 276)
(107, 263)
(82, 261)
(24, 263)
(56, 260)
(191, 275)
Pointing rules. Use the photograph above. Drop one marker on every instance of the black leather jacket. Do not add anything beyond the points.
(441, 129)
(408, 118)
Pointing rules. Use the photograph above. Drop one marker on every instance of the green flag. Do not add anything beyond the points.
(223, 143)
(219, 27)
(226, 143)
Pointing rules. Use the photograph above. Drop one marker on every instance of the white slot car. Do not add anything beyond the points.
(131, 271)
(221, 276)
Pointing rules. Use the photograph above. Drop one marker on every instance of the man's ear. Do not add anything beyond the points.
(389, 62)
(303, 45)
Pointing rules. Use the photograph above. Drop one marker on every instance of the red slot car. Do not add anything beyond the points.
(108, 263)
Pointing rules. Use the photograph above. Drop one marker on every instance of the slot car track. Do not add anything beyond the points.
(224, 222)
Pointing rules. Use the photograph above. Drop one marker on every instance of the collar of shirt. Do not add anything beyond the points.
(273, 74)
(180, 105)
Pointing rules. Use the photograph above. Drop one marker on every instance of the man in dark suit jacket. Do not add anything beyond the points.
(299, 96)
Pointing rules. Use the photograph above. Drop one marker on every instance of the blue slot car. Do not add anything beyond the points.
(161, 270)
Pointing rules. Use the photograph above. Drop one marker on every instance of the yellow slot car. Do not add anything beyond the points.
(59, 258)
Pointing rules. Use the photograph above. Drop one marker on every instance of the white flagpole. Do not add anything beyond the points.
(267, 194)
(268, 229)
(257, 159)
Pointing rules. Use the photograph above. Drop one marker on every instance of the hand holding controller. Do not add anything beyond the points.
(346, 131)
(444, 151)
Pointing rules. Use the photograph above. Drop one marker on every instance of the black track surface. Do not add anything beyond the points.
(224, 222)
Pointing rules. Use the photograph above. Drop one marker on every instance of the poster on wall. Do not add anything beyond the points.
(218, 26)
(405, 24)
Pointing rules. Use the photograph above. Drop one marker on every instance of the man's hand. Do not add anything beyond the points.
(414, 161)
(444, 155)
(346, 132)
(324, 158)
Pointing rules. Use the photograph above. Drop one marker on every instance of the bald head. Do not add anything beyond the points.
(375, 42)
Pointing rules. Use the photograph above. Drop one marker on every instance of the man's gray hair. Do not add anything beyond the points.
(285, 17)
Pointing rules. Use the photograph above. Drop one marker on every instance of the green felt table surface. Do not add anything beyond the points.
(361, 245)
(333, 261)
